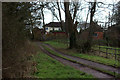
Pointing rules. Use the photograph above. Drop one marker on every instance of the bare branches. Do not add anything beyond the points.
(60, 15)
(75, 11)
(87, 17)
(62, 6)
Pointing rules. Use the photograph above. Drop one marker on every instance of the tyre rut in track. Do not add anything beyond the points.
(86, 62)
(77, 66)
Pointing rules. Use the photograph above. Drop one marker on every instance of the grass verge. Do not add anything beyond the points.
(48, 67)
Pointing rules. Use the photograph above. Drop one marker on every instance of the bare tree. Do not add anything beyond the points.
(69, 23)
(88, 44)
(42, 11)
(60, 16)
(38, 12)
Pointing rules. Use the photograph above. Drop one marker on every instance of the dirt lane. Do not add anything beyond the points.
(80, 67)
(86, 62)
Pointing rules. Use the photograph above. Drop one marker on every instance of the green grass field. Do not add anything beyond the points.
(94, 58)
(48, 67)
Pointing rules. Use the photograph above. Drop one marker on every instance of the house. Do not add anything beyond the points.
(98, 31)
(98, 35)
(83, 26)
(55, 29)
(113, 32)
(53, 26)
(112, 35)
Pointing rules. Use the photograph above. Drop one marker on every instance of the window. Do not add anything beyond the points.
(46, 28)
(59, 29)
(95, 34)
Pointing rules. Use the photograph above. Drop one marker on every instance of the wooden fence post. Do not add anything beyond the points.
(106, 53)
(115, 55)
(118, 55)
(99, 49)
(115, 60)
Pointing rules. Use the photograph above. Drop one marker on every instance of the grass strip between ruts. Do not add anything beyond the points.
(98, 59)
(98, 69)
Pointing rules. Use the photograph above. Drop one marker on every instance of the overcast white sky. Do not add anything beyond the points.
(100, 15)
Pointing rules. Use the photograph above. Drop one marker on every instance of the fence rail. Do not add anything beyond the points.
(107, 52)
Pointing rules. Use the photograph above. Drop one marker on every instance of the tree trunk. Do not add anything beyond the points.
(60, 16)
(69, 24)
(88, 44)
(72, 40)
(119, 38)
(43, 20)
(119, 43)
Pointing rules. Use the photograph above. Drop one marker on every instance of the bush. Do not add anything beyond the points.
(13, 39)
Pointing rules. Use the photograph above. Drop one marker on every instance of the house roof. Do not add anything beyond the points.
(38, 29)
(95, 25)
(114, 27)
(53, 24)
(82, 25)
